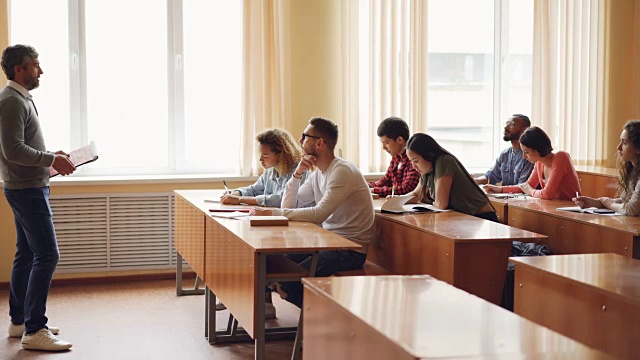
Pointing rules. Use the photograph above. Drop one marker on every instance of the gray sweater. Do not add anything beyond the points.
(24, 160)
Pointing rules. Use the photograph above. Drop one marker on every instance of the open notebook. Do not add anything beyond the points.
(398, 205)
(591, 210)
(79, 157)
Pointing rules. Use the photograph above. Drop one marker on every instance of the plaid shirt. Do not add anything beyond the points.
(399, 174)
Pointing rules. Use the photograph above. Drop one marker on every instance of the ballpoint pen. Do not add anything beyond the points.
(226, 189)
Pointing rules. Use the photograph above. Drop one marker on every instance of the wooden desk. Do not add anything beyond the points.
(234, 257)
(576, 233)
(592, 298)
(462, 250)
(419, 317)
(597, 181)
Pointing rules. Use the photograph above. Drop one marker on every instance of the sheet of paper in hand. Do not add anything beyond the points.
(79, 157)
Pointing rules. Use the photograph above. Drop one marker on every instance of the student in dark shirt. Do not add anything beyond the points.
(444, 181)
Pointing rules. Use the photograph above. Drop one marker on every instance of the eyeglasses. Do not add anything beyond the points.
(311, 136)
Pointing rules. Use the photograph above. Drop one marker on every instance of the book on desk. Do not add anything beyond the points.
(275, 220)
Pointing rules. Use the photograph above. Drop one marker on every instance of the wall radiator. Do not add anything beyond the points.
(114, 232)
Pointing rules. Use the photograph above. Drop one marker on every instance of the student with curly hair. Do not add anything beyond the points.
(279, 155)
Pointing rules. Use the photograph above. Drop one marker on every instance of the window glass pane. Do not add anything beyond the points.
(212, 84)
(45, 28)
(126, 71)
(460, 110)
(519, 58)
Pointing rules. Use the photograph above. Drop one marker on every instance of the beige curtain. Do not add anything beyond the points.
(569, 62)
(266, 94)
(386, 75)
(636, 58)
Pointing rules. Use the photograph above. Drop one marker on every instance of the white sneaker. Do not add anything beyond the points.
(269, 311)
(43, 339)
(16, 331)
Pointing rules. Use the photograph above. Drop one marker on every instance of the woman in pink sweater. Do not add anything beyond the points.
(552, 172)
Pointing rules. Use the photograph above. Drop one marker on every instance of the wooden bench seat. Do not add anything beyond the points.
(368, 269)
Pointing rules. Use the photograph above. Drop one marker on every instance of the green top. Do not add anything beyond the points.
(465, 196)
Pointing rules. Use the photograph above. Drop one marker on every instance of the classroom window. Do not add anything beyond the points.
(479, 73)
(158, 96)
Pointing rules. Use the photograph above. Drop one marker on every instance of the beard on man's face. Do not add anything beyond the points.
(32, 83)
(508, 136)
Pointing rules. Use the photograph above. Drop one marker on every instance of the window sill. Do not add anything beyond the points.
(160, 179)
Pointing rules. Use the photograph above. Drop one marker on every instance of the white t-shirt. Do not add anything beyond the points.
(338, 199)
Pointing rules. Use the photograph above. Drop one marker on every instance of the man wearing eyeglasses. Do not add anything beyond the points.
(511, 168)
(336, 196)
(24, 165)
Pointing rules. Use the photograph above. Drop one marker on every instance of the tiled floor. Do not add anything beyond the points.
(136, 320)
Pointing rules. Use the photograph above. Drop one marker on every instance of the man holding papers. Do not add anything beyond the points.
(336, 196)
(24, 165)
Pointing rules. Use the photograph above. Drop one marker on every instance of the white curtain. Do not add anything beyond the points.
(385, 61)
(568, 76)
(266, 75)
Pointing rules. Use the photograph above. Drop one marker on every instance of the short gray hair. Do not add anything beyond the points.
(16, 55)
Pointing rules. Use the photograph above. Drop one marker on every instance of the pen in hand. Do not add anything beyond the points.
(226, 189)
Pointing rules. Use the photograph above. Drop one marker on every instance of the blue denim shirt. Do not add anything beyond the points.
(269, 187)
(511, 168)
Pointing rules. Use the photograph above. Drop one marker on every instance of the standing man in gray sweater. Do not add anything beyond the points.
(24, 167)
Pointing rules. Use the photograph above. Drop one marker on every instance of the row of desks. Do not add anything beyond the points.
(570, 232)
(465, 251)
(591, 293)
(230, 256)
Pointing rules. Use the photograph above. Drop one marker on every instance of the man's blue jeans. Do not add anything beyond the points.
(329, 263)
(36, 257)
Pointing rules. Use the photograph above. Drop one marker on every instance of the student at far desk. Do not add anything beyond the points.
(628, 185)
(279, 155)
(444, 181)
(510, 168)
(553, 172)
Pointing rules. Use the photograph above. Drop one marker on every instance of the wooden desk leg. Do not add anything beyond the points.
(259, 332)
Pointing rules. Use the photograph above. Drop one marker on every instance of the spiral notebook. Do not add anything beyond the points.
(79, 157)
